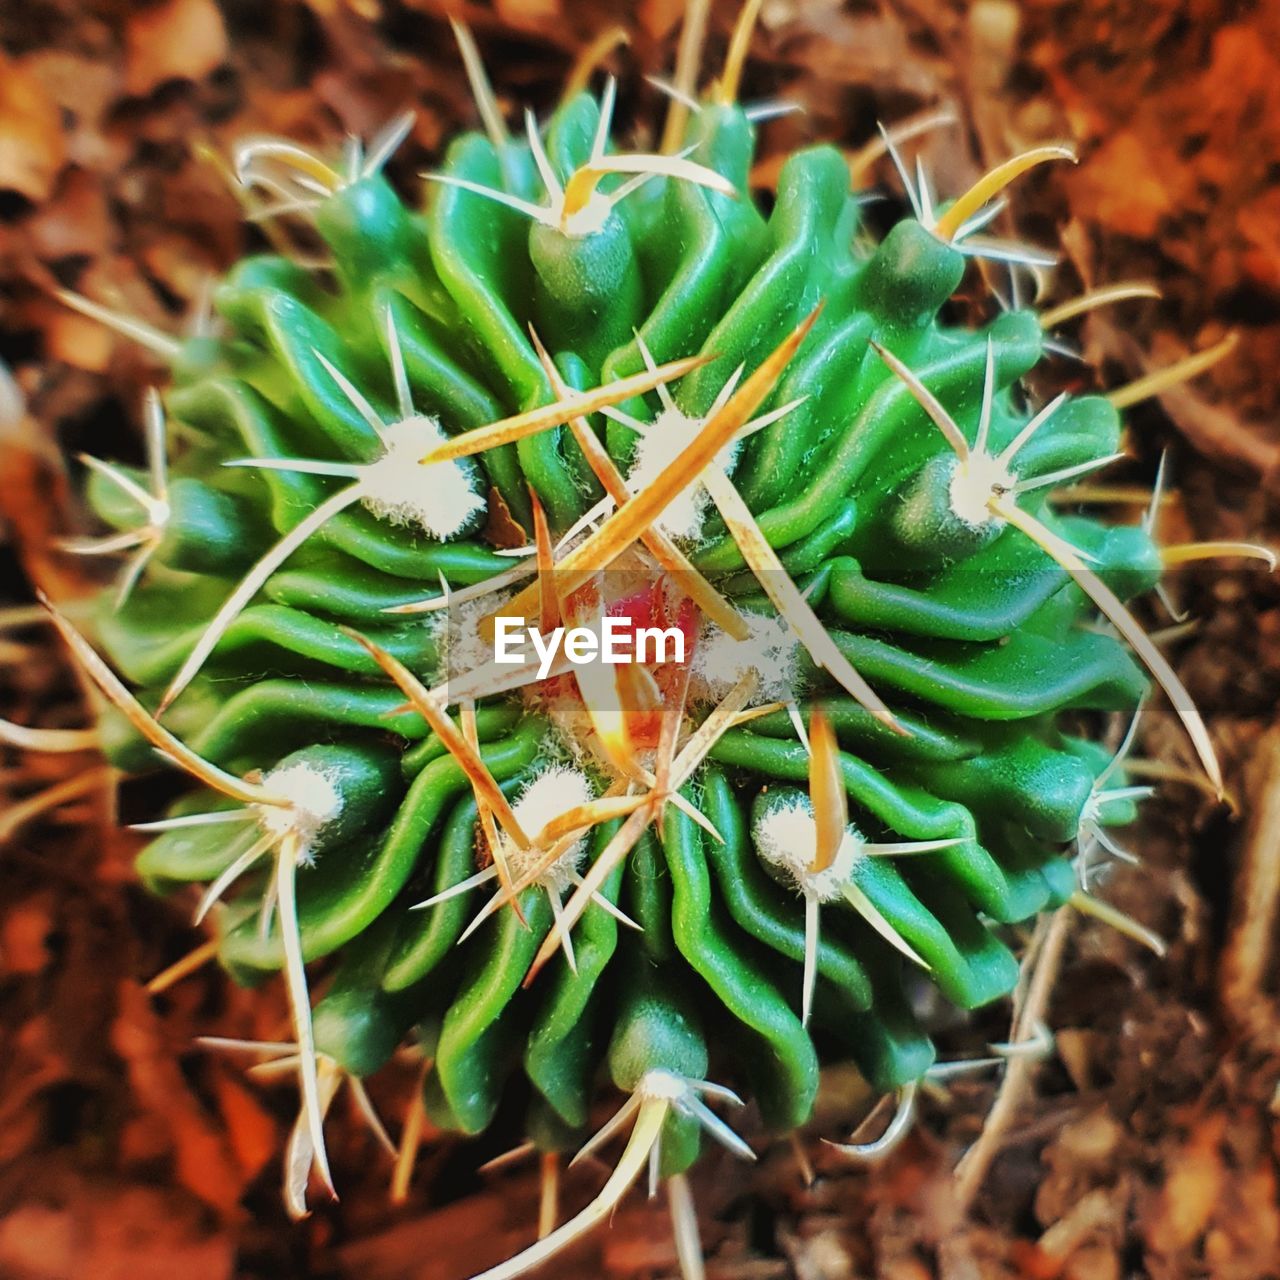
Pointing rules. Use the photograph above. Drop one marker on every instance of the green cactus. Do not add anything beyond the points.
(867, 766)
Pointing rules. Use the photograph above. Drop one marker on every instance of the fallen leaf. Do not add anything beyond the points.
(1259, 223)
(1195, 1180)
(24, 934)
(181, 40)
(38, 1243)
(75, 221)
(203, 1161)
(32, 146)
(1126, 186)
(529, 15)
(78, 341)
(252, 1132)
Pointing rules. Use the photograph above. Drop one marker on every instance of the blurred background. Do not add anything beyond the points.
(1148, 1144)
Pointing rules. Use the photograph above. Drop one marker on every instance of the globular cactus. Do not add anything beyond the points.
(875, 756)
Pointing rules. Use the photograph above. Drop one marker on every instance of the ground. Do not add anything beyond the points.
(1148, 1144)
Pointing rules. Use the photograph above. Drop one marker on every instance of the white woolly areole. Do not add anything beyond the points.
(786, 837)
(546, 797)
(314, 802)
(440, 497)
(459, 638)
(660, 1085)
(771, 650)
(656, 449)
(1091, 813)
(974, 482)
(590, 220)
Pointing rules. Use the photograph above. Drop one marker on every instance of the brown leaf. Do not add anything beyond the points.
(529, 15)
(181, 40)
(75, 221)
(1259, 223)
(1127, 187)
(32, 147)
(38, 1243)
(145, 1233)
(77, 340)
(24, 934)
(201, 1156)
(252, 1132)
(1196, 1176)
(659, 17)
(1239, 94)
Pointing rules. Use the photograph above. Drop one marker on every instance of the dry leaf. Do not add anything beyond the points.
(24, 936)
(203, 1162)
(181, 40)
(1126, 185)
(75, 221)
(32, 146)
(1189, 1198)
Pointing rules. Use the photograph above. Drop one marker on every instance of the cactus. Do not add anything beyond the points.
(876, 756)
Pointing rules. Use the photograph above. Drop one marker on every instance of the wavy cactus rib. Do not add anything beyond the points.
(842, 497)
